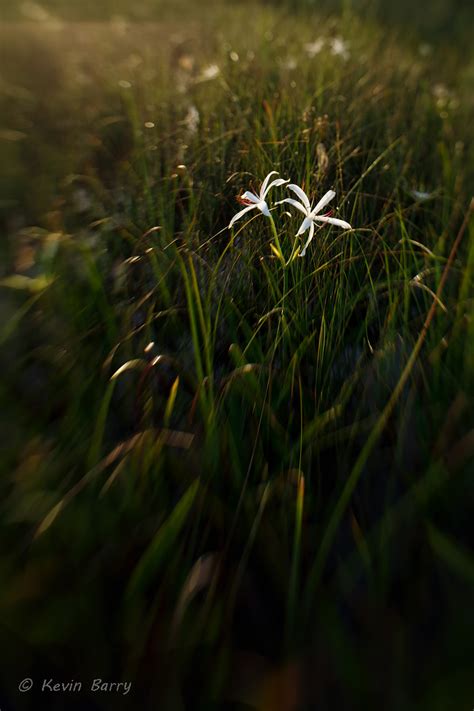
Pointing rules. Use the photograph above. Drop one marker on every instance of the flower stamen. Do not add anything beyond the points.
(243, 201)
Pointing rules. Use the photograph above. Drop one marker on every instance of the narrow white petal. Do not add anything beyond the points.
(311, 235)
(333, 221)
(265, 183)
(295, 203)
(250, 196)
(274, 184)
(305, 225)
(324, 201)
(241, 214)
(301, 194)
(263, 207)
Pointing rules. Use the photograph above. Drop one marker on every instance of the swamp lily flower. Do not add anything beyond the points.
(312, 213)
(314, 48)
(208, 73)
(421, 195)
(339, 47)
(252, 201)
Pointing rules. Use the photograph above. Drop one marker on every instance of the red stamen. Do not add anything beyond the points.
(244, 201)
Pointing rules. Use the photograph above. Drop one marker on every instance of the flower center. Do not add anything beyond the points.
(244, 201)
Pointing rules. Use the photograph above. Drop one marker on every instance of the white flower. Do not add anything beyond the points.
(209, 73)
(421, 195)
(339, 47)
(312, 213)
(192, 119)
(314, 48)
(253, 201)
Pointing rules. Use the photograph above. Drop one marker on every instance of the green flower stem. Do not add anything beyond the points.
(275, 235)
(284, 264)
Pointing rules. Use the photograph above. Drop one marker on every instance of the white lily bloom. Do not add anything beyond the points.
(192, 119)
(339, 47)
(208, 73)
(253, 201)
(314, 48)
(421, 195)
(312, 213)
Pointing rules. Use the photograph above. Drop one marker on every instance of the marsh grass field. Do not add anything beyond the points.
(237, 477)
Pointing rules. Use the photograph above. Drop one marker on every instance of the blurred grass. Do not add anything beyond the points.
(236, 482)
(443, 18)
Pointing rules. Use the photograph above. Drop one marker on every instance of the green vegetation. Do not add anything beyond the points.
(236, 479)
